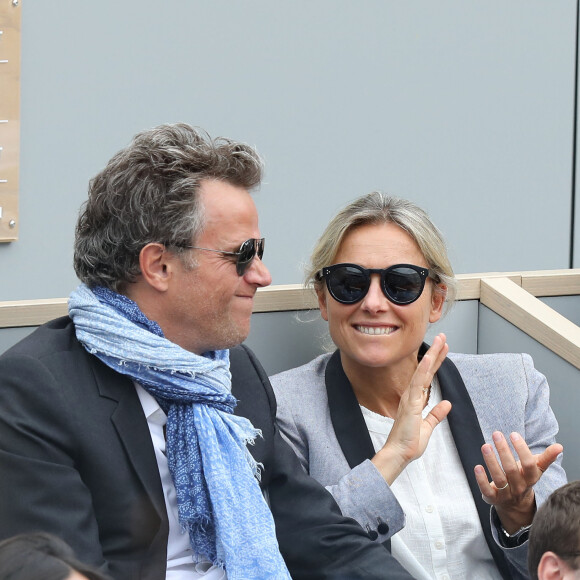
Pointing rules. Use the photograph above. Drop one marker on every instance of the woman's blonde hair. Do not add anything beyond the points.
(379, 208)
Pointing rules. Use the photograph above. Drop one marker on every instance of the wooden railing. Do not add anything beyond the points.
(512, 295)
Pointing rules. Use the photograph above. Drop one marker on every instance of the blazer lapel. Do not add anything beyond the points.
(468, 438)
(347, 419)
(133, 431)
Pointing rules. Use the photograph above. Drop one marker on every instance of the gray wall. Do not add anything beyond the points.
(497, 335)
(10, 336)
(464, 107)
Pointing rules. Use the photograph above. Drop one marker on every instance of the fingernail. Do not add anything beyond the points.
(478, 469)
(497, 436)
(515, 436)
(487, 450)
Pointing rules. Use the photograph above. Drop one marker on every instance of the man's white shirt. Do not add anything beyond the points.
(180, 564)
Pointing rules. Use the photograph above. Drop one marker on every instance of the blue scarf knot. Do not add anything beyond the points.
(216, 478)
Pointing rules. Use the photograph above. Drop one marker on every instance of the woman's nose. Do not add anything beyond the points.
(375, 299)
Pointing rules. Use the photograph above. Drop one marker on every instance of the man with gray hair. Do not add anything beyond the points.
(137, 428)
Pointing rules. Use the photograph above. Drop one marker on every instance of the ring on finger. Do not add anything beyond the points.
(500, 488)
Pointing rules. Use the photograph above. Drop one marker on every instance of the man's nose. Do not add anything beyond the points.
(258, 274)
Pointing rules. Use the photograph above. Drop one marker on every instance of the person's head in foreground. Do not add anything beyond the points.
(554, 551)
(41, 556)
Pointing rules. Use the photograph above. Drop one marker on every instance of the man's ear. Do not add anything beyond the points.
(156, 266)
(552, 567)
(322, 303)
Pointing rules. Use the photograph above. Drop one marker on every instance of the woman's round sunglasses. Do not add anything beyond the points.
(244, 256)
(350, 283)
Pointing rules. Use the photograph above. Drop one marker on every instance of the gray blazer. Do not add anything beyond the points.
(319, 415)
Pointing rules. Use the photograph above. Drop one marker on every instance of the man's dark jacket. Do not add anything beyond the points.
(76, 459)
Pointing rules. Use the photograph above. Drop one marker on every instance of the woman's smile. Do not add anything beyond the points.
(375, 330)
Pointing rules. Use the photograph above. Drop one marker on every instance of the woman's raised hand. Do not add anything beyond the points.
(410, 433)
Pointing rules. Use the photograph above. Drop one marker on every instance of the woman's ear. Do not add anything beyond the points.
(321, 293)
(438, 295)
(155, 263)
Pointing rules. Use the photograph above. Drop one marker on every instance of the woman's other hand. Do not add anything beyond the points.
(511, 489)
(410, 434)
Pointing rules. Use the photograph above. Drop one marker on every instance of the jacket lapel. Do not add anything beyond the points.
(468, 438)
(347, 418)
(130, 423)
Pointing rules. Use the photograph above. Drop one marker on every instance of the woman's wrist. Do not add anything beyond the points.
(511, 539)
(515, 518)
(390, 463)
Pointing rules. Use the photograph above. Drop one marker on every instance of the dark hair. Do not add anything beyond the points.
(43, 556)
(556, 528)
(148, 193)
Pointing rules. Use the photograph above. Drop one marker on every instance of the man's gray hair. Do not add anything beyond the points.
(148, 192)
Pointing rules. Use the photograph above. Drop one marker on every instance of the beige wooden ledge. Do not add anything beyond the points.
(278, 298)
(31, 312)
(512, 295)
(531, 315)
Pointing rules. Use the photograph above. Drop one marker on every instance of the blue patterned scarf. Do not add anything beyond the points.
(218, 497)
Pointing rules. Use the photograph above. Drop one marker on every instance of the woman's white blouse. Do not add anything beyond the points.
(442, 537)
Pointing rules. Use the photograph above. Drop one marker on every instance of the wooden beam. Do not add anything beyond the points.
(505, 293)
(468, 285)
(533, 317)
(552, 282)
(31, 312)
(284, 297)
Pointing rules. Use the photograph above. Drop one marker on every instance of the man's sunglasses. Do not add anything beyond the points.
(349, 283)
(247, 252)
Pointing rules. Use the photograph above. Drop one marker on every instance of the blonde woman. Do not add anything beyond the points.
(398, 431)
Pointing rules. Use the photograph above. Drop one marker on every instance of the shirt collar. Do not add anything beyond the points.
(153, 412)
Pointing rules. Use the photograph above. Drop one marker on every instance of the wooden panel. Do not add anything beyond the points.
(532, 316)
(552, 282)
(9, 117)
(31, 312)
(284, 297)
(502, 294)
(468, 285)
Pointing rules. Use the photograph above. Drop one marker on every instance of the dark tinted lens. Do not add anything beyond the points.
(245, 256)
(402, 285)
(347, 284)
(248, 252)
(260, 247)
